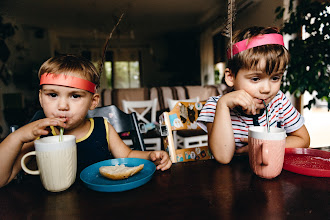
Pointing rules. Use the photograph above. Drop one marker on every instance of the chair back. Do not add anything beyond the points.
(141, 108)
(182, 117)
(171, 102)
(38, 115)
(121, 122)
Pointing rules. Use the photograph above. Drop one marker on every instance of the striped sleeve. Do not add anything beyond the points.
(208, 112)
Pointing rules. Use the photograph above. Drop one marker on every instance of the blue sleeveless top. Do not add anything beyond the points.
(93, 147)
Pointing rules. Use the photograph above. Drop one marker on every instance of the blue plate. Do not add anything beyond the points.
(95, 181)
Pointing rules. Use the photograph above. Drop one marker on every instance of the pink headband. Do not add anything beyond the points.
(256, 41)
(66, 80)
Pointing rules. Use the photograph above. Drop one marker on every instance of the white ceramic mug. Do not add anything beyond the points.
(56, 161)
(266, 151)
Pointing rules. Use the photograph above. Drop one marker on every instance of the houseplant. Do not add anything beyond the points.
(309, 68)
(6, 30)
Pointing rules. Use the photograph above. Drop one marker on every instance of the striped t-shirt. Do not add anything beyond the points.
(281, 114)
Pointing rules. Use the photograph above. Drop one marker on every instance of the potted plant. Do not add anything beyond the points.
(6, 30)
(309, 68)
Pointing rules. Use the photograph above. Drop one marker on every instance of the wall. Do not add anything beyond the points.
(260, 14)
(169, 60)
(174, 61)
(29, 48)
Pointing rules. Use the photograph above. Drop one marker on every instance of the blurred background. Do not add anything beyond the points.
(157, 43)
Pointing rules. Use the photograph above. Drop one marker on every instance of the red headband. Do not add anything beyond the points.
(66, 80)
(256, 41)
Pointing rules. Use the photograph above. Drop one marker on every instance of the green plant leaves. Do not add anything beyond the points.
(309, 68)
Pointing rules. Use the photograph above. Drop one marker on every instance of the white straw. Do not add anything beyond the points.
(61, 134)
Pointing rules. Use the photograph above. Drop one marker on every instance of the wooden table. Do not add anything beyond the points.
(196, 190)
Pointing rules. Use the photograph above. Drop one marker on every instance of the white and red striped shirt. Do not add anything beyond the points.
(281, 114)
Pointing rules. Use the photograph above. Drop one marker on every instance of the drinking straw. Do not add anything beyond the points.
(61, 134)
(267, 115)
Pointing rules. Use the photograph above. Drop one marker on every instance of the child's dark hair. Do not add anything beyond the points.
(71, 64)
(276, 56)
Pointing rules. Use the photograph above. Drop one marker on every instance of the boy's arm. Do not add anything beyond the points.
(120, 150)
(220, 135)
(11, 152)
(298, 138)
(18, 143)
(160, 158)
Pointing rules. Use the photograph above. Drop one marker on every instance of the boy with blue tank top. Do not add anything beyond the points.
(68, 89)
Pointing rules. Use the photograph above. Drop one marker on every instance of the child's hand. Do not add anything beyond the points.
(161, 159)
(243, 99)
(38, 128)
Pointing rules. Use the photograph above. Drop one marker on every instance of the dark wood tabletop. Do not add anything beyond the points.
(191, 190)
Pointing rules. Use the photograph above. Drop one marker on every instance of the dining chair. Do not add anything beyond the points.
(39, 114)
(188, 138)
(122, 123)
(146, 115)
(172, 102)
(183, 117)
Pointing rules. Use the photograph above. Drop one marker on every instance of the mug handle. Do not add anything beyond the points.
(27, 170)
(264, 154)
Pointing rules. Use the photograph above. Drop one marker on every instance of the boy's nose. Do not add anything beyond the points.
(265, 87)
(63, 104)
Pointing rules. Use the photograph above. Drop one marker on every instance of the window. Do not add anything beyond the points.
(127, 74)
(108, 72)
(317, 121)
(123, 71)
(122, 68)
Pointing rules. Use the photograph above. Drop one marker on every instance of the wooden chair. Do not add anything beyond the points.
(121, 122)
(146, 114)
(188, 138)
(180, 119)
(172, 102)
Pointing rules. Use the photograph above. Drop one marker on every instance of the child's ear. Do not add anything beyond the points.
(95, 101)
(229, 77)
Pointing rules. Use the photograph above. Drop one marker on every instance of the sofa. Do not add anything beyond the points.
(115, 96)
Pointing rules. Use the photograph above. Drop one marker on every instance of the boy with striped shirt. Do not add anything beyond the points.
(256, 64)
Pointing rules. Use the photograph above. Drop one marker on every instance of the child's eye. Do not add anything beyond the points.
(53, 95)
(255, 79)
(276, 78)
(76, 96)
